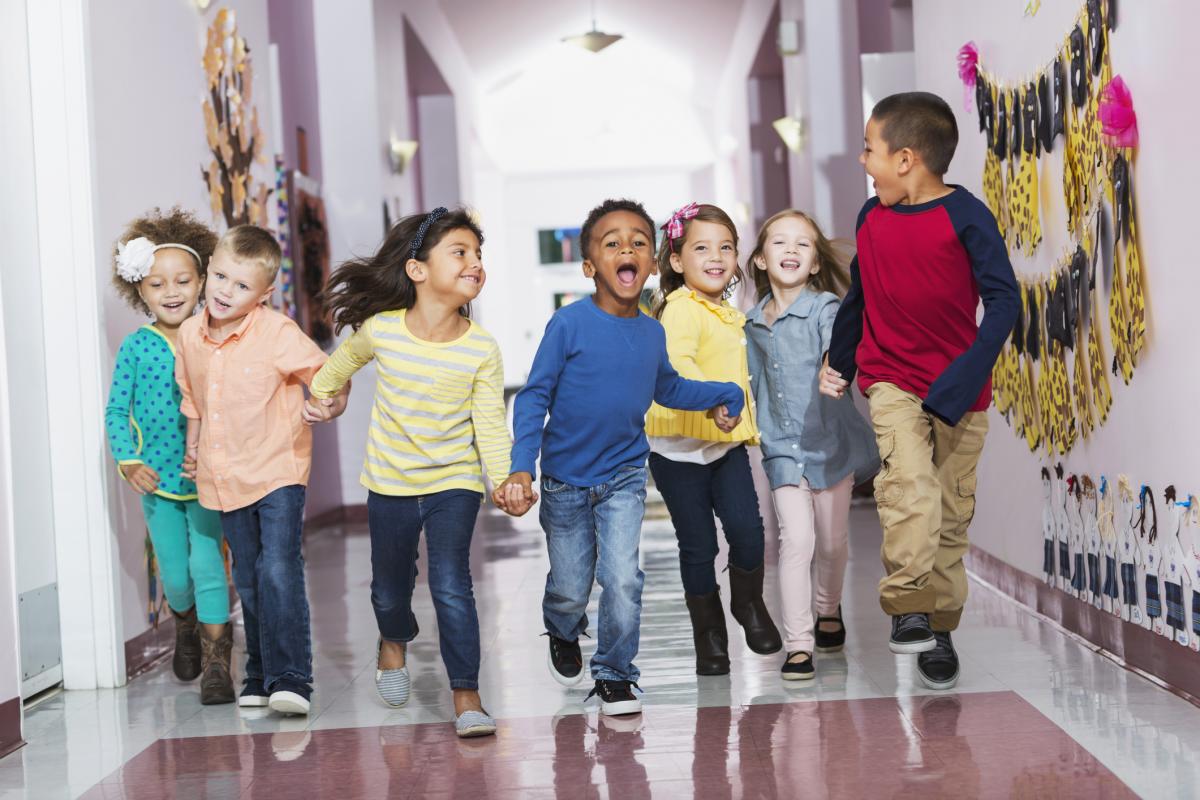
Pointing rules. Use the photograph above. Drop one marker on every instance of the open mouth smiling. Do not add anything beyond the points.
(627, 274)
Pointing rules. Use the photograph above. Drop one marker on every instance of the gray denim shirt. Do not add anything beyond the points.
(804, 433)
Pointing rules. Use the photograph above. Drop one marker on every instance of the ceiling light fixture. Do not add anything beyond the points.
(594, 40)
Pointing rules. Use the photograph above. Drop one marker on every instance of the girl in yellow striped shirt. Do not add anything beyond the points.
(437, 420)
(699, 469)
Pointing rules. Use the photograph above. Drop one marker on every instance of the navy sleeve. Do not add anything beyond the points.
(959, 386)
(848, 325)
(533, 401)
(672, 391)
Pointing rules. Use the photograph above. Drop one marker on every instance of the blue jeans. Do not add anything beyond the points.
(692, 493)
(268, 572)
(448, 519)
(592, 533)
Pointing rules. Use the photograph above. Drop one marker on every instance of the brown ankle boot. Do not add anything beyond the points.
(186, 661)
(709, 634)
(216, 682)
(746, 603)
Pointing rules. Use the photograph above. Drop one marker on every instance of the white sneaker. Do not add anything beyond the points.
(286, 702)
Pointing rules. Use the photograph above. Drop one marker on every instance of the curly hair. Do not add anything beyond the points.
(176, 227)
(364, 287)
(832, 259)
(668, 279)
(608, 207)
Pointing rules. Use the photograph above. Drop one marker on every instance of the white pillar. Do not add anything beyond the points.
(89, 611)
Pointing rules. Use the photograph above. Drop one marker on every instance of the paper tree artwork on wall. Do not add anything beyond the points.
(231, 127)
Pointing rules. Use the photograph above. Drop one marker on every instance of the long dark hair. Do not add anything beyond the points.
(668, 279)
(364, 287)
(832, 258)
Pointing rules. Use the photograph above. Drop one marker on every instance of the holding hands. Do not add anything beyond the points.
(720, 415)
(141, 477)
(318, 409)
(831, 383)
(516, 495)
(189, 462)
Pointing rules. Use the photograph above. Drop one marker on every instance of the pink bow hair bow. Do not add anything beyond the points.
(968, 70)
(674, 226)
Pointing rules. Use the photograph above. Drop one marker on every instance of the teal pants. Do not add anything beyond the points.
(187, 546)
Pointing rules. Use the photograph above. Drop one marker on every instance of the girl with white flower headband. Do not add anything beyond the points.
(158, 269)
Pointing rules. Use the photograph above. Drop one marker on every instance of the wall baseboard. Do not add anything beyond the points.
(1177, 668)
(150, 646)
(10, 726)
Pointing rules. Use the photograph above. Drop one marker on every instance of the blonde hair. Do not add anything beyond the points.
(832, 258)
(254, 244)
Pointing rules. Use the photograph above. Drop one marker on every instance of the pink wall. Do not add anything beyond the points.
(291, 29)
(1150, 433)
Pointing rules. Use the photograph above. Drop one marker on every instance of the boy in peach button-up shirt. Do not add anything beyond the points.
(240, 368)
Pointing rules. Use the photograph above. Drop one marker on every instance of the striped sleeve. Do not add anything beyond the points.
(350, 356)
(488, 417)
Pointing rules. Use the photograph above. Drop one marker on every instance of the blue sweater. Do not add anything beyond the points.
(596, 375)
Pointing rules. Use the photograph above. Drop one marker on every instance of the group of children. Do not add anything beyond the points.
(208, 421)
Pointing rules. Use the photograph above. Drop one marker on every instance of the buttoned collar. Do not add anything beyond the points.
(801, 307)
(238, 334)
(727, 313)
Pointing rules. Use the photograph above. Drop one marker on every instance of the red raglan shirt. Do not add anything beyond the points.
(909, 317)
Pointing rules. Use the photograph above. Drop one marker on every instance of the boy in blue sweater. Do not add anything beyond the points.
(600, 364)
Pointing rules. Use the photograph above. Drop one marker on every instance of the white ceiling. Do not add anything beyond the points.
(498, 36)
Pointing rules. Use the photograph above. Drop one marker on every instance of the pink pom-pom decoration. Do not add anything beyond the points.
(968, 69)
(1117, 118)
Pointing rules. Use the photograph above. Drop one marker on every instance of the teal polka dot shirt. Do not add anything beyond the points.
(142, 418)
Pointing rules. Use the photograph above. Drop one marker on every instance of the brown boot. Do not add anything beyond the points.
(746, 603)
(186, 661)
(216, 684)
(709, 634)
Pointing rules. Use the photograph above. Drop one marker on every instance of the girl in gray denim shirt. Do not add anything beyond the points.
(815, 448)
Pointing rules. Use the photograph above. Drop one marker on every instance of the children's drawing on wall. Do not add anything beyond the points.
(1131, 554)
(1173, 572)
(1075, 530)
(1105, 521)
(1091, 539)
(1191, 561)
(1048, 527)
(1151, 556)
(1062, 531)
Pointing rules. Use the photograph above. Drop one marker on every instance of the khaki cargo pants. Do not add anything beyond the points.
(925, 491)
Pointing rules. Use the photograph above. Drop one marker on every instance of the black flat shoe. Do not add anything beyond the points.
(831, 641)
(798, 670)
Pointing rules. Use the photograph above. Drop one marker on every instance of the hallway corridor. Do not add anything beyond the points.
(1035, 715)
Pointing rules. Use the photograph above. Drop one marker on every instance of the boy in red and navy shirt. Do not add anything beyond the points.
(927, 253)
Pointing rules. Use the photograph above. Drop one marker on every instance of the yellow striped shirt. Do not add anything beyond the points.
(439, 407)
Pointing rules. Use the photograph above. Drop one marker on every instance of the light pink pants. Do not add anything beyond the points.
(811, 521)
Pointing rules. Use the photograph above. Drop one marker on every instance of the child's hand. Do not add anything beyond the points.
(189, 463)
(323, 409)
(831, 383)
(516, 495)
(142, 478)
(725, 423)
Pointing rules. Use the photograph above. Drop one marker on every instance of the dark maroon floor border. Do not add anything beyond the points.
(1133, 645)
(10, 726)
(150, 646)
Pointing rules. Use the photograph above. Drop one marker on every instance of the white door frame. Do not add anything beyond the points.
(93, 646)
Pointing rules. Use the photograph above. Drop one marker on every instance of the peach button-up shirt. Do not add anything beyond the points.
(247, 391)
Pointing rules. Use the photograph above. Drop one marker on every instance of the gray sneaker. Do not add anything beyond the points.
(474, 723)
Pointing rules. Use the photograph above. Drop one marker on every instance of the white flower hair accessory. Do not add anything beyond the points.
(135, 258)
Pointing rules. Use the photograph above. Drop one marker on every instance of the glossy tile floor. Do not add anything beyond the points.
(1035, 715)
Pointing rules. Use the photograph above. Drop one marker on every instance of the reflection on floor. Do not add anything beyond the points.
(1035, 715)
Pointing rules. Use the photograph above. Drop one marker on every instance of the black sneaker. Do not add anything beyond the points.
(616, 698)
(254, 694)
(938, 667)
(831, 641)
(565, 660)
(911, 634)
(798, 670)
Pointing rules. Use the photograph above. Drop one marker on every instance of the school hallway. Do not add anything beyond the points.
(1036, 713)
